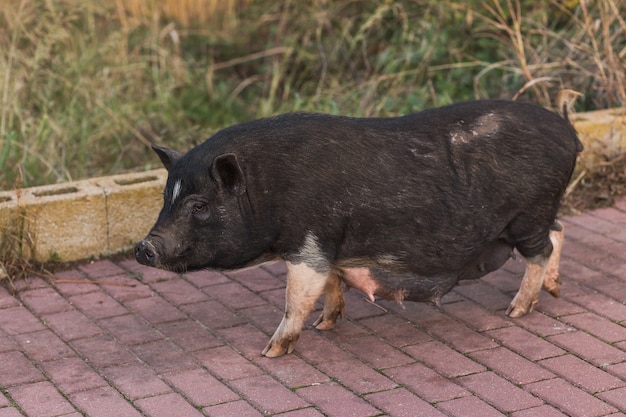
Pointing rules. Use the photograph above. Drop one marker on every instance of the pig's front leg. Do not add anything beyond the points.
(304, 287)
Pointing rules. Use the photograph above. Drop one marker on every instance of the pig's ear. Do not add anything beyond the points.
(227, 172)
(167, 156)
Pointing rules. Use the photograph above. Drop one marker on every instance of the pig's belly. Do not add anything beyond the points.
(397, 286)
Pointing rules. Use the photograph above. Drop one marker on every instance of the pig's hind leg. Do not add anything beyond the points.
(541, 271)
(552, 280)
(304, 286)
(334, 304)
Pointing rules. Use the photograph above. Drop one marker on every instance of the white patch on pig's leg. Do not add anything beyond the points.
(304, 286)
(334, 304)
(552, 280)
(528, 294)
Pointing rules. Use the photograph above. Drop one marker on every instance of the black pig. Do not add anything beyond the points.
(402, 208)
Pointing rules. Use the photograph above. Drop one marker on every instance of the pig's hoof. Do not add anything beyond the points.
(328, 321)
(551, 283)
(321, 324)
(276, 349)
(516, 309)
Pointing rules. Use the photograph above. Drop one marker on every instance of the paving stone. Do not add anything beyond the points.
(541, 411)
(499, 392)
(357, 376)
(511, 366)
(103, 351)
(598, 326)
(18, 320)
(213, 314)
(616, 397)
(426, 383)
(257, 279)
(582, 374)
(73, 286)
(590, 348)
(542, 325)
(10, 412)
(155, 310)
(468, 406)
(103, 402)
(485, 295)
(44, 345)
(476, 316)
(443, 359)
(7, 344)
(336, 401)
(127, 288)
(569, 399)
(136, 380)
(246, 339)
(619, 370)
(402, 403)
(179, 292)
(16, 369)
(130, 330)
(72, 375)
(292, 371)
(268, 395)
(40, 399)
(233, 295)
(394, 330)
(98, 305)
(459, 336)
(303, 412)
(103, 268)
(376, 353)
(205, 278)
(227, 364)
(525, 343)
(45, 301)
(189, 335)
(232, 409)
(201, 388)
(602, 305)
(315, 348)
(6, 300)
(71, 325)
(171, 404)
(266, 317)
(163, 356)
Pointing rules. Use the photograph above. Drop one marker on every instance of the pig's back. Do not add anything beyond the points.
(439, 183)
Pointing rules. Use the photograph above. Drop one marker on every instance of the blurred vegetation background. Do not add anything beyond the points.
(86, 86)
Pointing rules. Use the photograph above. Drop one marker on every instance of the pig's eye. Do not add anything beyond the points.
(198, 208)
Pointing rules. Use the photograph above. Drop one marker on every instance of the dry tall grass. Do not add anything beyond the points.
(86, 86)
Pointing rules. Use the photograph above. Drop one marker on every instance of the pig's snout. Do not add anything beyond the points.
(145, 253)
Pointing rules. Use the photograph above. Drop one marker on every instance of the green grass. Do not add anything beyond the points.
(85, 87)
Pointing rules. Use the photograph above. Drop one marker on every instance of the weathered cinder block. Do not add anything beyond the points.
(133, 202)
(9, 219)
(603, 132)
(66, 221)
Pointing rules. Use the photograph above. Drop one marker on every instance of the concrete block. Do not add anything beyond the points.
(603, 133)
(66, 221)
(133, 202)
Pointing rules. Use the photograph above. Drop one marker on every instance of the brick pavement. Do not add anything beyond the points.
(154, 343)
